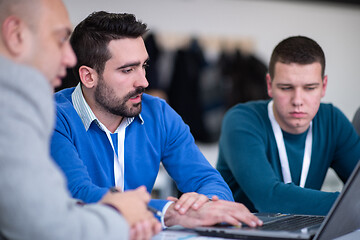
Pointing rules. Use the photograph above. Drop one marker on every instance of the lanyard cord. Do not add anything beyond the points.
(282, 150)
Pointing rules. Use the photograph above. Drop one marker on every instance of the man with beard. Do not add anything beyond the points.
(109, 133)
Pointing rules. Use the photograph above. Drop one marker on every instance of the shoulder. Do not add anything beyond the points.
(157, 112)
(25, 89)
(64, 95)
(65, 112)
(27, 81)
(156, 107)
(250, 111)
(63, 100)
(151, 101)
(331, 118)
(328, 111)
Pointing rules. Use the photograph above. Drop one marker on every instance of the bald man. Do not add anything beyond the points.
(34, 202)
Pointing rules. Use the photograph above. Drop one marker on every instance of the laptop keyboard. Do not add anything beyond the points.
(293, 223)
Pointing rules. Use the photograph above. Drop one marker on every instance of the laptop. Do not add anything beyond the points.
(343, 218)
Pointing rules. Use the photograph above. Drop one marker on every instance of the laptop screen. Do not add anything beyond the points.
(344, 216)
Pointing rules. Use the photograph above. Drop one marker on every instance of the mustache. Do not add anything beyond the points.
(137, 91)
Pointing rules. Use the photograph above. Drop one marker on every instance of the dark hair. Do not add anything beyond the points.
(298, 49)
(91, 37)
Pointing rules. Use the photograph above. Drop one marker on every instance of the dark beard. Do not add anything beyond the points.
(105, 97)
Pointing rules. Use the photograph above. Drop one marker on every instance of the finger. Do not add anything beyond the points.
(181, 200)
(214, 198)
(141, 188)
(244, 215)
(147, 229)
(136, 231)
(220, 217)
(143, 194)
(255, 220)
(132, 233)
(199, 202)
(170, 198)
(156, 226)
(187, 204)
(230, 220)
(143, 230)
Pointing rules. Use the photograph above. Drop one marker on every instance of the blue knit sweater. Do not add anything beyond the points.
(87, 157)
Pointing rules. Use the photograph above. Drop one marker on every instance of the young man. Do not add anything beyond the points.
(34, 202)
(275, 154)
(109, 133)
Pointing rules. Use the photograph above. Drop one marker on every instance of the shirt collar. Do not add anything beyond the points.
(86, 114)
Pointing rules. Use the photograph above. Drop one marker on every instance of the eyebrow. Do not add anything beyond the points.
(288, 84)
(132, 64)
(66, 31)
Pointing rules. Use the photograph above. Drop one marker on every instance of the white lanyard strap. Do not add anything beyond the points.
(282, 151)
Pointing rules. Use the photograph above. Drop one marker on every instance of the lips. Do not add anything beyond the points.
(298, 114)
(135, 98)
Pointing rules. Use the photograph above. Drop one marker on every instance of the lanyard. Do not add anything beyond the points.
(282, 151)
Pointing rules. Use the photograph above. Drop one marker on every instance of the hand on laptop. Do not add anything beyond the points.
(132, 205)
(211, 213)
(190, 200)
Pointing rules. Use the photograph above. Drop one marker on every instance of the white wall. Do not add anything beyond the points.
(334, 27)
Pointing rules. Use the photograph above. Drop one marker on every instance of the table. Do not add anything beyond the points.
(182, 235)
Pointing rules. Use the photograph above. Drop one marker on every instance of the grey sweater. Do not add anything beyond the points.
(34, 201)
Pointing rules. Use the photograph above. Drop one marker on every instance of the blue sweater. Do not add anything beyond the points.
(87, 157)
(249, 162)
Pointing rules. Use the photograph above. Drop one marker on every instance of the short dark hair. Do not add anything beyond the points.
(91, 37)
(297, 49)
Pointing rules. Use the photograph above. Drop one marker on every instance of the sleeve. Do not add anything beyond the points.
(66, 155)
(244, 143)
(34, 202)
(162, 206)
(347, 152)
(185, 163)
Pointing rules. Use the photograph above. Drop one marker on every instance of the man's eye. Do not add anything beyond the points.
(63, 39)
(285, 88)
(127, 70)
(145, 65)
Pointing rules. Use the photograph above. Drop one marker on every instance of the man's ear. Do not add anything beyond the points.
(324, 85)
(268, 84)
(88, 76)
(13, 35)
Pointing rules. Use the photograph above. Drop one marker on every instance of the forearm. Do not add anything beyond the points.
(289, 198)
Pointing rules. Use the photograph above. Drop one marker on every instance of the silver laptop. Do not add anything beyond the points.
(343, 218)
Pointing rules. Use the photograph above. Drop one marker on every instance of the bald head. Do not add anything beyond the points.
(28, 10)
(35, 33)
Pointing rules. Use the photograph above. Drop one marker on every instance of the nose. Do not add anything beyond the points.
(141, 80)
(297, 98)
(69, 57)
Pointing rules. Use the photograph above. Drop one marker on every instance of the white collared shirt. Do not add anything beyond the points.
(87, 117)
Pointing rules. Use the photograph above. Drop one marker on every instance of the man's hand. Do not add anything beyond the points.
(132, 205)
(211, 213)
(190, 200)
(145, 229)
